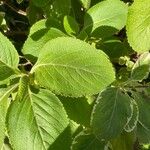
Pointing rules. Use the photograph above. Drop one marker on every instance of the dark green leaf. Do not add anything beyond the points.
(87, 141)
(77, 109)
(143, 128)
(9, 58)
(111, 113)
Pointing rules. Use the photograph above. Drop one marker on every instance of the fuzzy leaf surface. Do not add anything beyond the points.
(39, 117)
(111, 13)
(4, 103)
(87, 141)
(143, 128)
(40, 34)
(9, 58)
(66, 66)
(110, 113)
(138, 25)
(141, 68)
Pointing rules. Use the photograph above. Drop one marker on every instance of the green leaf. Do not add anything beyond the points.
(58, 9)
(5, 92)
(138, 25)
(3, 111)
(133, 120)
(4, 103)
(9, 58)
(40, 34)
(77, 109)
(66, 66)
(6, 147)
(112, 13)
(63, 142)
(124, 142)
(143, 128)
(110, 113)
(113, 47)
(87, 141)
(2, 14)
(40, 3)
(143, 133)
(141, 68)
(34, 13)
(70, 25)
(85, 3)
(39, 117)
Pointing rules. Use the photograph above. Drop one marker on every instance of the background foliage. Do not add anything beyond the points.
(74, 75)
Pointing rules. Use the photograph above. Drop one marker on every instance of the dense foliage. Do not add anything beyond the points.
(74, 74)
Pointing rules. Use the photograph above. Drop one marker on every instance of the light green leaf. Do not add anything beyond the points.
(5, 92)
(70, 25)
(9, 58)
(133, 120)
(87, 141)
(111, 13)
(66, 66)
(6, 147)
(39, 35)
(3, 111)
(143, 128)
(110, 113)
(78, 109)
(4, 103)
(138, 25)
(39, 117)
(141, 68)
(85, 3)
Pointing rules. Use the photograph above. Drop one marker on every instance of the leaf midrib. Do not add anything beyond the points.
(40, 135)
(66, 66)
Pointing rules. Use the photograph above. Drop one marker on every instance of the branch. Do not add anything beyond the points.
(21, 12)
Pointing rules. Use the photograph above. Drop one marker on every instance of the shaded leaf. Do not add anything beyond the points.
(143, 128)
(124, 142)
(77, 109)
(110, 114)
(133, 120)
(87, 141)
